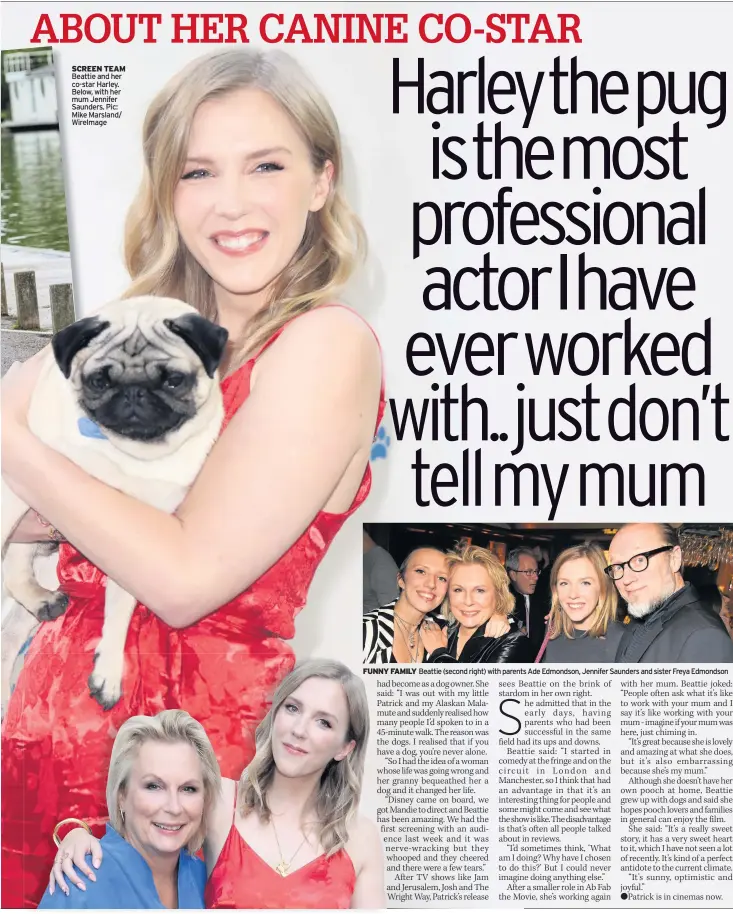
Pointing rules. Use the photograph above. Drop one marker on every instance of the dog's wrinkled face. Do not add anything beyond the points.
(143, 367)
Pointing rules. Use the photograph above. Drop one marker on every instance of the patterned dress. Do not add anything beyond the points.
(223, 669)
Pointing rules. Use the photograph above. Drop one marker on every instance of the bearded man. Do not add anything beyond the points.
(673, 624)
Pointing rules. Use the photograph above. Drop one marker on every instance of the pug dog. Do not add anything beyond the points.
(132, 396)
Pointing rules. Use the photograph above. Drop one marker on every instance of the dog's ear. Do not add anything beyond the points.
(205, 338)
(70, 340)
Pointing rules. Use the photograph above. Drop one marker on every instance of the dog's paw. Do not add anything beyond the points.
(52, 608)
(103, 692)
(105, 682)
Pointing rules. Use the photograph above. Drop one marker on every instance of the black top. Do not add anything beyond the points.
(513, 647)
(584, 648)
(684, 629)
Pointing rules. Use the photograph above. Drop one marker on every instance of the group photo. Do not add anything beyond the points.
(554, 593)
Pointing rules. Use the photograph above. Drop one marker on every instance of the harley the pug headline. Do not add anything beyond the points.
(624, 296)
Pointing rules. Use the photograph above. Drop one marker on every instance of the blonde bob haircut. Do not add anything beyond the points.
(464, 554)
(166, 727)
(157, 260)
(605, 611)
(339, 791)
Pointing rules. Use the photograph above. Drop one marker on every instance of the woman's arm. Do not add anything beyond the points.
(309, 418)
(514, 648)
(440, 655)
(366, 851)
(220, 823)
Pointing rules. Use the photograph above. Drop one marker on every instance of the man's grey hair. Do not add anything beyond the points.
(512, 560)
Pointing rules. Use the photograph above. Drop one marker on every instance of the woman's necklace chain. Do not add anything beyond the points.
(409, 636)
(283, 866)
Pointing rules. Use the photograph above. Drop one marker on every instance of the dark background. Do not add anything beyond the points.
(400, 539)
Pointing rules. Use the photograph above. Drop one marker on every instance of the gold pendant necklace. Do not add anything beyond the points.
(284, 866)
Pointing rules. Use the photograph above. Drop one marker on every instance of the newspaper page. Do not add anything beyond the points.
(428, 300)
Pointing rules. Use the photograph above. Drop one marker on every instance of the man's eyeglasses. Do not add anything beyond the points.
(532, 572)
(638, 562)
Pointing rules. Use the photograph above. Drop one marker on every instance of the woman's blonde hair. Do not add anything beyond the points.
(157, 260)
(338, 793)
(464, 554)
(166, 727)
(605, 611)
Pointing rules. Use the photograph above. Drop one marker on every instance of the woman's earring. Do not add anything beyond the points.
(122, 813)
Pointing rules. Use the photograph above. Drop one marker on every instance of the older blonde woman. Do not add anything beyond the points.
(582, 625)
(288, 836)
(162, 787)
(479, 601)
(241, 213)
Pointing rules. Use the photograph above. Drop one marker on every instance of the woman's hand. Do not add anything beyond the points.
(72, 853)
(496, 626)
(32, 528)
(433, 636)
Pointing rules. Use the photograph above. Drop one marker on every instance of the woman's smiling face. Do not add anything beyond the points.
(472, 595)
(310, 728)
(163, 801)
(425, 580)
(245, 192)
(578, 591)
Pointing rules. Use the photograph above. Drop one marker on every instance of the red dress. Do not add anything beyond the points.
(223, 669)
(242, 879)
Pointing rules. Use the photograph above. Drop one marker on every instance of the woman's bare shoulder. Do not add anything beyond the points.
(327, 329)
(364, 841)
(220, 821)
(329, 348)
(365, 849)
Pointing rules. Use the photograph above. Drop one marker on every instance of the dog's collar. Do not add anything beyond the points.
(89, 429)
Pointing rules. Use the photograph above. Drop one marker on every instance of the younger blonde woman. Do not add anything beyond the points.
(582, 625)
(392, 633)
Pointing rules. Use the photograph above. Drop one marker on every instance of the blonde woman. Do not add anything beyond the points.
(582, 626)
(393, 633)
(162, 788)
(241, 213)
(480, 602)
(288, 836)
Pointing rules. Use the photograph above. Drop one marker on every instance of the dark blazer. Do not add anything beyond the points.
(514, 647)
(685, 629)
(538, 609)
